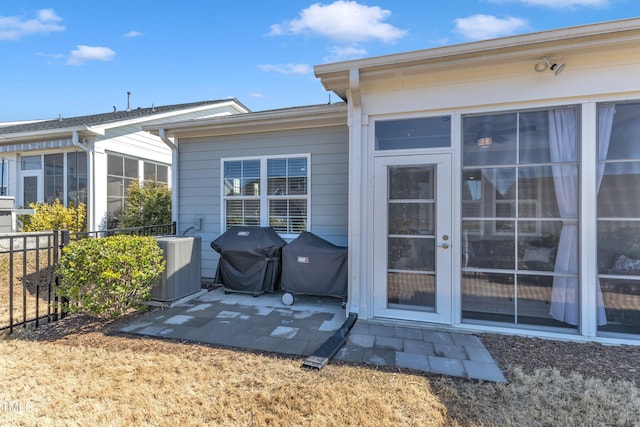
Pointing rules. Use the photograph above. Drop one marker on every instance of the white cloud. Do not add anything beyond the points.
(301, 69)
(51, 55)
(343, 21)
(90, 53)
(256, 95)
(480, 27)
(560, 4)
(339, 53)
(132, 33)
(15, 27)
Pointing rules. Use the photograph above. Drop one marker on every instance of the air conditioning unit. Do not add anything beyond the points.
(181, 276)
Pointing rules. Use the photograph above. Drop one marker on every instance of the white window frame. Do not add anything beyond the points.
(4, 187)
(156, 164)
(263, 196)
(123, 157)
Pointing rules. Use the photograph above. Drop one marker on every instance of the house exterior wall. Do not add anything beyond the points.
(123, 137)
(200, 186)
(490, 84)
(130, 140)
(466, 87)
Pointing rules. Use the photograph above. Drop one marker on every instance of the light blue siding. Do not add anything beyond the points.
(199, 180)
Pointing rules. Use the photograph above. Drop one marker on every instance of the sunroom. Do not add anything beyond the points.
(496, 184)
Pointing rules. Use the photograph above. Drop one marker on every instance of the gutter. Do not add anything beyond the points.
(46, 133)
(75, 140)
(261, 121)
(162, 133)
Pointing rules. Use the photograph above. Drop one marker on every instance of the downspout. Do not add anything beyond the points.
(75, 140)
(357, 295)
(162, 133)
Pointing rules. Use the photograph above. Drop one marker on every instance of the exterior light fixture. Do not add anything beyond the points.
(545, 64)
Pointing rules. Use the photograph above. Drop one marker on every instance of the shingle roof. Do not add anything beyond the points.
(104, 118)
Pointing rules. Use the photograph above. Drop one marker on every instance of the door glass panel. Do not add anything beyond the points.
(415, 254)
(411, 182)
(411, 242)
(406, 289)
(412, 218)
(30, 186)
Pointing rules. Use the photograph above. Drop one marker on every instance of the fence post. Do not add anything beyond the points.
(11, 284)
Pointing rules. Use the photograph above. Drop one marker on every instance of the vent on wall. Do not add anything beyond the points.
(181, 276)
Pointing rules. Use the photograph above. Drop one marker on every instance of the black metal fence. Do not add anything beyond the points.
(27, 279)
(28, 276)
(148, 230)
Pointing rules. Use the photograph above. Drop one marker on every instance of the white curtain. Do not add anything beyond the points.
(563, 128)
(563, 133)
(606, 113)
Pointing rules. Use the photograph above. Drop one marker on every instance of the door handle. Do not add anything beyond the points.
(444, 246)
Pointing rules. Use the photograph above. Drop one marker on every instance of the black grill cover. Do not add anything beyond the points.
(250, 259)
(313, 266)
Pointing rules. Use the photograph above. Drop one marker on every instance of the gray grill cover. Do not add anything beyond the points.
(250, 259)
(313, 266)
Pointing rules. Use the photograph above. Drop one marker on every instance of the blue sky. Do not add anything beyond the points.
(71, 58)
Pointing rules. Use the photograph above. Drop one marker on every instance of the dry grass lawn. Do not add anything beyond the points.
(92, 378)
(31, 278)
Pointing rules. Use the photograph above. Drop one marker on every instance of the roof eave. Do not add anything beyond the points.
(264, 121)
(231, 102)
(335, 76)
(46, 134)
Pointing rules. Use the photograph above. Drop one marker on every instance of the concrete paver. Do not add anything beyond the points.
(264, 323)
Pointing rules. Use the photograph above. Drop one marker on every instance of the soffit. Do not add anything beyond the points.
(556, 43)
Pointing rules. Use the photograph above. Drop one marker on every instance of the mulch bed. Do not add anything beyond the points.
(591, 360)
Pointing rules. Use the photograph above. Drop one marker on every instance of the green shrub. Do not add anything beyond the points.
(54, 216)
(149, 204)
(107, 277)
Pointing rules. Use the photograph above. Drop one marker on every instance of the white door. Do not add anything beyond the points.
(31, 188)
(412, 238)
